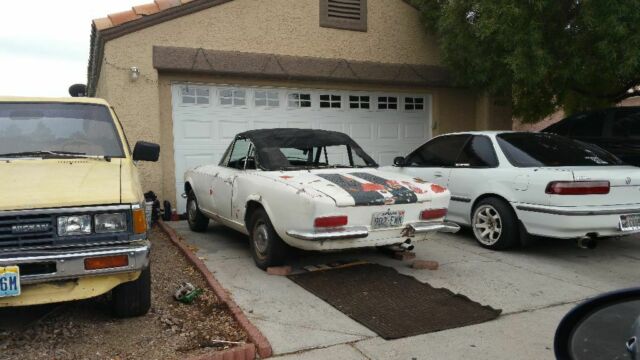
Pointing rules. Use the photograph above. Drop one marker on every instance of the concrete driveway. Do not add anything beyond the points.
(534, 287)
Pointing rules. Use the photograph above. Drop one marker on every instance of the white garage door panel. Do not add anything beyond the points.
(203, 127)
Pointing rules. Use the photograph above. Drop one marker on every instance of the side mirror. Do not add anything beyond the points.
(605, 327)
(146, 151)
(398, 161)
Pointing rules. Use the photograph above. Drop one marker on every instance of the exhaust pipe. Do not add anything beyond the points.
(587, 242)
(407, 245)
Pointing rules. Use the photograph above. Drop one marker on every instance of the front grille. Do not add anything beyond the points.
(38, 230)
(15, 232)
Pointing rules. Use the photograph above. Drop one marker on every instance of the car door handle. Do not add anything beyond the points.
(438, 174)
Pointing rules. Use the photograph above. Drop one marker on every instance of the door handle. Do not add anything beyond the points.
(438, 174)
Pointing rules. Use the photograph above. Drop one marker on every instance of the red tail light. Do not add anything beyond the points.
(431, 214)
(578, 188)
(330, 221)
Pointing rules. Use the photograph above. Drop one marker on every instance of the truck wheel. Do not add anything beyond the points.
(198, 222)
(132, 298)
(267, 248)
(495, 225)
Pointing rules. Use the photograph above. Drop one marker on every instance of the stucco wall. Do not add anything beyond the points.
(288, 27)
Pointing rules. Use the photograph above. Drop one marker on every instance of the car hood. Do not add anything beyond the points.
(360, 187)
(48, 183)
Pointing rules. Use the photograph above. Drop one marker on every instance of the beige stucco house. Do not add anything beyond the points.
(190, 74)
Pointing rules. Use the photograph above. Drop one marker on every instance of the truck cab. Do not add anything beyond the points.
(72, 211)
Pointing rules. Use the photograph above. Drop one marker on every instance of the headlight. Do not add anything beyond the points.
(106, 223)
(74, 225)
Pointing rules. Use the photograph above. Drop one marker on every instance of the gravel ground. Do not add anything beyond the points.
(86, 330)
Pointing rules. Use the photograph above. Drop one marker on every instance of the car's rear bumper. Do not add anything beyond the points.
(574, 222)
(55, 265)
(362, 236)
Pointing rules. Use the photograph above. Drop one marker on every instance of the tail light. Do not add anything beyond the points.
(330, 221)
(431, 214)
(578, 188)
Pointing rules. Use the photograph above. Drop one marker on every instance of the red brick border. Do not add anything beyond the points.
(255, 336)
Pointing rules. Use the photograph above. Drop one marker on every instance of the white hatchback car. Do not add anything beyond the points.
(509, 184)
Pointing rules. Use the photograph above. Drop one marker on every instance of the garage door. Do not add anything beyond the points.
(207, 117)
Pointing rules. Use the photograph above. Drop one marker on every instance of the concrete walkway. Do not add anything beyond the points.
(534, 287)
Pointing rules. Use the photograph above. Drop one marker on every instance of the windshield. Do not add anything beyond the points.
(540, 149)
(323, 156)
(29, 129)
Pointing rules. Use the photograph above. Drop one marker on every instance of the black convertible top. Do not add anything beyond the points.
(268, 143)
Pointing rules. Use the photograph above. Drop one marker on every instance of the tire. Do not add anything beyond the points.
(267, 248)
(132, 298)
(495, 225)
(198, 222)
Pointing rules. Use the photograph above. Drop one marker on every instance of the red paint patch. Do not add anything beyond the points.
(286, 177)
(372, 187)
(437, 188)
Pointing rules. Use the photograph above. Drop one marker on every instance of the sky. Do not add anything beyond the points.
(44, 44)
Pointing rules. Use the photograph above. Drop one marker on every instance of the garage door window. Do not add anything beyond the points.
(330, 101)
(193, 95)
(413, 103)
(387, 103)
(358, 102)
(298, 100)
(266, 98)
(233, 97)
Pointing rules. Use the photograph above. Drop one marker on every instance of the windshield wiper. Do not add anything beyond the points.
(48, 153)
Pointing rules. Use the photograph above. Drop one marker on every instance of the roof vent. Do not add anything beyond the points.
(344, 14)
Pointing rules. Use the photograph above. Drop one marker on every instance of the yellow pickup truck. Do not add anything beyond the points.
(72, 212)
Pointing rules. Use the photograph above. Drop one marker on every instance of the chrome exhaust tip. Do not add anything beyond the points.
(407, 245)
(587, 242)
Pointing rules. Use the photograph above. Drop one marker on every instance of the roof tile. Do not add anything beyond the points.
(146, 9)
(123, 17)
(166, 4)
(102, 23)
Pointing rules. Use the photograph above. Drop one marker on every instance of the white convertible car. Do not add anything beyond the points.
(313, 190)
(508, 184)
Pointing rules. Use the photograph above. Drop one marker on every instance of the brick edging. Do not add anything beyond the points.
(255, 336)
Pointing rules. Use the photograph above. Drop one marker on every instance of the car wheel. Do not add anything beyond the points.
(198, 222)
(495, 225)
(267, 248)
(132, 298)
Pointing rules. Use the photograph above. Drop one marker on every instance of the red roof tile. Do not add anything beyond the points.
(136, 12)
(146, 9)
(123, 17)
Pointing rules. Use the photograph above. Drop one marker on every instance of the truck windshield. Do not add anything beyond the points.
(34, 129)
(541, 149)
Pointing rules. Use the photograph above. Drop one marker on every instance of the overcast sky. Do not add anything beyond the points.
(44, 44)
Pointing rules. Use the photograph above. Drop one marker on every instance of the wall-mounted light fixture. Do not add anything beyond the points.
(134, 73)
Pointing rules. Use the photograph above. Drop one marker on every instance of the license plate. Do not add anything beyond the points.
(9, 281)
(387, 219)
(630, 222)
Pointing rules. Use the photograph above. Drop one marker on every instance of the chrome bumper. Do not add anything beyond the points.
(69, 264)
(354, 232)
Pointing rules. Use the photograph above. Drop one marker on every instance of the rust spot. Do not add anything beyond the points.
(286, 177)
(419, 180)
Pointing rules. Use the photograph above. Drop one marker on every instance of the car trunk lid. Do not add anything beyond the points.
(624, 190)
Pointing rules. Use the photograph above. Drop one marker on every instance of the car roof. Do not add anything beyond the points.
(73, 100)
(491, 133)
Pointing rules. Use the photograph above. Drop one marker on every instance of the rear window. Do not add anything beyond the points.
(540, 150)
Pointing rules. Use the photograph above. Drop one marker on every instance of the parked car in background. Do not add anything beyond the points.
(616, 130)
(505, 184)
(313, 190)
(72, 215)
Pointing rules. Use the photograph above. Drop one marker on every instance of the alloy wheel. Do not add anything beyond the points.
(487, 225)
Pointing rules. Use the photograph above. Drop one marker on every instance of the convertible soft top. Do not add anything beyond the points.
(268, 143)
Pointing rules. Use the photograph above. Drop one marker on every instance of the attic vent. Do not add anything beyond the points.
(344, 14)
